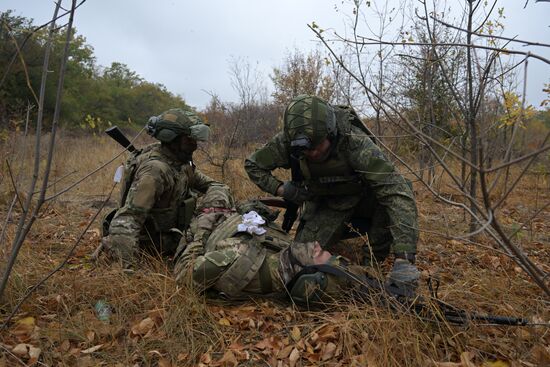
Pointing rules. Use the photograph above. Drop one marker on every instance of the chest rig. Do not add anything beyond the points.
(335, 177)
(175, 207)
(250, 261)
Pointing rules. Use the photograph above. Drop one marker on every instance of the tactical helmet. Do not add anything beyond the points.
(308, 120)
(174, 122)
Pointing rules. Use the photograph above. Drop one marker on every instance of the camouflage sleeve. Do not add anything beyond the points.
(202, 182)
(184, 263)
(148, 185)
(390, 188)
(192, 257)
(259, 165)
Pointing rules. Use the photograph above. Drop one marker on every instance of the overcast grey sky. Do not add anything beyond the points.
(186, 45)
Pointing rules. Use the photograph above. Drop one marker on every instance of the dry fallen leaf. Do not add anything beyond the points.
(163, 362)
(295, 333)
(24, 328)
(92, 349)
(143, 327)
(34, 353)
(224, 322)
(328, 351)
(65, 346)
(21, 350)
(90, 335)
(228, 359)
(27, 321)
(294, 357)
(285, 352)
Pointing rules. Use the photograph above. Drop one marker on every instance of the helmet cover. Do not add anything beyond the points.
(308, 120)
(174, 122)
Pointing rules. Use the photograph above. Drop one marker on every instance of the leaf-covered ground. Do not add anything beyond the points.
(153, 322)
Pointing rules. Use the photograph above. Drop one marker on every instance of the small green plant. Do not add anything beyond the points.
(94, 124)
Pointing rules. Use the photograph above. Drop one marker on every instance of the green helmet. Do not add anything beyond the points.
(174, 122)
(308, 121)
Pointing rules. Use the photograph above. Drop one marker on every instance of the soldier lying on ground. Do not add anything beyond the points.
(243, 253)
(159, 189)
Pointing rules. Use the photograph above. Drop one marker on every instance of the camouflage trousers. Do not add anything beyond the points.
(324, 223)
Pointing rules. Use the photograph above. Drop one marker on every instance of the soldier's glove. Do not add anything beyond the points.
(404, 275)
(120, 248)
(294, 193)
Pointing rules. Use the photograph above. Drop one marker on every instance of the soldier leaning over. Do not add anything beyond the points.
(159, 189)
(344, 178)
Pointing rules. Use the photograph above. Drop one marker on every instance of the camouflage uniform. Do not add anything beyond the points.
(238, 264)
(158, 199)
(355, 185)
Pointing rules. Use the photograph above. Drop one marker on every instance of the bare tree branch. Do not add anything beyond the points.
(23, 227)
(370, 41)
(529, 43)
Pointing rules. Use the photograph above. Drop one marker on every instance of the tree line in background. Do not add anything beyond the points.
(96, 97)
(93, 97)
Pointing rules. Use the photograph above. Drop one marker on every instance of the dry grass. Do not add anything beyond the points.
(156, 323)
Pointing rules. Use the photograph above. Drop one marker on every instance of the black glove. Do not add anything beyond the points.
(294, 193)
(404, 275)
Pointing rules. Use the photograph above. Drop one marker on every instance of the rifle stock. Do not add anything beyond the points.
(291, 213)
(117, 135)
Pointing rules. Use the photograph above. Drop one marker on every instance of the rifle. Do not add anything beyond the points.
(432, 308)
(118, 136)
(274, 201)
(291, 212)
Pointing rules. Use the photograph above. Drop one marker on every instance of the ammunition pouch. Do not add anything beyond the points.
(242, 270)
(106, 222)
(186, 210)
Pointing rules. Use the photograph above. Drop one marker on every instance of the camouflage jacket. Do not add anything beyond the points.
(238, 264)
(155, 203)
(375, 173)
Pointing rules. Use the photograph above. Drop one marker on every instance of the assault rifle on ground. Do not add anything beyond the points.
(430, 309)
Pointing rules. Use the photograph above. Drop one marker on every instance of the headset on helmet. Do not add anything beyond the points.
(174, 122)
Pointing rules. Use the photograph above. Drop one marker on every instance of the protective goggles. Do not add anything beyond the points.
(301, 142)
(199, 132)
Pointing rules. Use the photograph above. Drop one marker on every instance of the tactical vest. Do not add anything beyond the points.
(251, 258)
(180, 211)
(335, 177)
